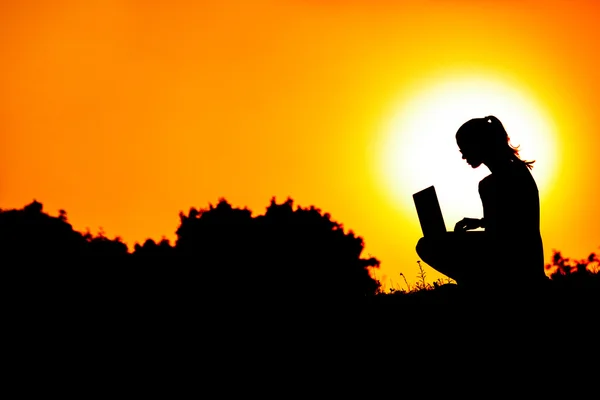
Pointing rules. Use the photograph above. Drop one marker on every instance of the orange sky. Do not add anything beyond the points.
(123, 113)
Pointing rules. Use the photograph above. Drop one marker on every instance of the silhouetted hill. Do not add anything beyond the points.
(224, 254)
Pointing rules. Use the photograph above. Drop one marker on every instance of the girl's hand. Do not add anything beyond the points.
(466, 224)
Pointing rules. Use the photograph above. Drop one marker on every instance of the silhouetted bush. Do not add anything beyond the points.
(299, 252)
(152, 250)
(220, 251)
(30, 235)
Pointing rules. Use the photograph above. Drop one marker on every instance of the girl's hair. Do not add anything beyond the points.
(489, 133)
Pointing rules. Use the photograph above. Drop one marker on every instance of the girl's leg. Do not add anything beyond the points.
(461, 256)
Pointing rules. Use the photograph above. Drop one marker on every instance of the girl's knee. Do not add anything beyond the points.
(423, 248)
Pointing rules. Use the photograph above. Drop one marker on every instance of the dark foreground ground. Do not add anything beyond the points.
(151, 290)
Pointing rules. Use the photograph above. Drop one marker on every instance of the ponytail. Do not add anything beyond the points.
(501, 138)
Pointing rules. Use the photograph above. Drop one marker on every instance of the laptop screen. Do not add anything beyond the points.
(429, 212)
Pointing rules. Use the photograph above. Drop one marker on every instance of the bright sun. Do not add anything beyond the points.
(418, 148)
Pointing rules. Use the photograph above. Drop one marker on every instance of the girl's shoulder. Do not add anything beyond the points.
(486, 185)
(487, 181)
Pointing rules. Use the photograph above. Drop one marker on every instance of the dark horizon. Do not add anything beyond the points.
(287, 252)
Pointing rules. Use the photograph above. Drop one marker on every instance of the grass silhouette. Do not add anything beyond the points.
(571, 283)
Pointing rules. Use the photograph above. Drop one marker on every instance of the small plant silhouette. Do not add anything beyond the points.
(405, 281)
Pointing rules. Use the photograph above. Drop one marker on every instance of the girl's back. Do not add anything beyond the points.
(512, 220)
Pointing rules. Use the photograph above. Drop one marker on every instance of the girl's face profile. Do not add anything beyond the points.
(471, 153)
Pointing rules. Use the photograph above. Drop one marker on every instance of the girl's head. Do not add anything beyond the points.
(484, 139)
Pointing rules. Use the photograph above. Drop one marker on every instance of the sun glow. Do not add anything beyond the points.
(417, 146)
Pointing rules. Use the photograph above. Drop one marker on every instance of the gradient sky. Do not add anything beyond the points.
(124, 113)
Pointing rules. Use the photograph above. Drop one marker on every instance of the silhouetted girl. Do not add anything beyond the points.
(509, 252)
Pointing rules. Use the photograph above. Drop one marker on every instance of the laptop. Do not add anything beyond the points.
(429, 212)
